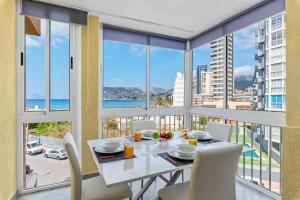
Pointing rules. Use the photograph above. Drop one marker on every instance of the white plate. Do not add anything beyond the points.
(185, 149)
(99, 149)
(147, 138)
(147, 133)
(208, 137)
(177, 155)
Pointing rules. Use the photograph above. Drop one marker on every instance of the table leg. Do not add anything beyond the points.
(145, 188)
(174, 178)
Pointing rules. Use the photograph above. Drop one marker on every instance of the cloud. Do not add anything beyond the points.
(137, 50)
(59, 29)
(246, 70)
(245, 38)
(32, 42)
(59, 33)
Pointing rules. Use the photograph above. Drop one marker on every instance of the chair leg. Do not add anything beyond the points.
(182, 176)
(142, 185)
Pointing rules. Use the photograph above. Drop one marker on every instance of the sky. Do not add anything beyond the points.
(124, 64)
(59, 62)
(243, 52)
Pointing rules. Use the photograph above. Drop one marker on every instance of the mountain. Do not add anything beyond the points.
(123, 93)
(242, 82)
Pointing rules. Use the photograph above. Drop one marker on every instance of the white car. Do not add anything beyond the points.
(58, 154)
(34, 147)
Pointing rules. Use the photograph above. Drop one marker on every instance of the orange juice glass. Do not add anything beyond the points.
(128, 150)
(138, 136)
(184, 130)
(193, 142)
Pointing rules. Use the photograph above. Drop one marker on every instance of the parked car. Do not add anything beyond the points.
(58, 154)
(34, 147)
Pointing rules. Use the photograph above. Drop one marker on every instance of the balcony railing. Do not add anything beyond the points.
(263, 166)
(121, 126)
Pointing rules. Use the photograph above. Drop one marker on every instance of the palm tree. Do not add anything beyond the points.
(159, 101)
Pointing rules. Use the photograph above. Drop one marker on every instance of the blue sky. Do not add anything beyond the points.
(243, 52)
(124, 64)
(59, 62)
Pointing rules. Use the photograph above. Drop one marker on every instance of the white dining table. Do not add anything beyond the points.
(147, 164)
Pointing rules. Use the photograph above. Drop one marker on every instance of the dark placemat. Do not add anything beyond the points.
(209, 141)
(178, 162)
(131, 138)
(114, 157)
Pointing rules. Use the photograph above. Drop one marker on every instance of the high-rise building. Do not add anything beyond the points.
(199, 69)
(269, 81)
(221, 55)
(178, 92)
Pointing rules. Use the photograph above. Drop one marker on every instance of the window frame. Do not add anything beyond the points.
(24, 116)
(147, 111)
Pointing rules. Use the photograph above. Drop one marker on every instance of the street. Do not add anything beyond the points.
(49, 171)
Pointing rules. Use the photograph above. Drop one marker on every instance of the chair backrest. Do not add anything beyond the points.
(213, 173)
(220, 131)
(143, 125)
(76, 179)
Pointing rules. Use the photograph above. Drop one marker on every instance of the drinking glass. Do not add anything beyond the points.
(138, 136)
(128, 150)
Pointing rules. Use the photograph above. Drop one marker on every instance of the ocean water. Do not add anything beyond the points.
(64, 104)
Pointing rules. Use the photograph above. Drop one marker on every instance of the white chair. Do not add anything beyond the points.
(212, 176)
(219, 131)
(143, 125)
(93, 188)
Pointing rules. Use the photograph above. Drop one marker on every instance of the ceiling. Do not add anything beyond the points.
(177, 18)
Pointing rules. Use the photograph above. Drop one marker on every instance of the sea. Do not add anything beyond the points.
(64, 104)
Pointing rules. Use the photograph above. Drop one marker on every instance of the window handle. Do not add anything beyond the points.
(22, 59)
(71, 62)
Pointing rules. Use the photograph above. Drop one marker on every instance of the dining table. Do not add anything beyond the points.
(150, 162)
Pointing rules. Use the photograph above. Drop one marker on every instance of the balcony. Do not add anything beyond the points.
(86, 75)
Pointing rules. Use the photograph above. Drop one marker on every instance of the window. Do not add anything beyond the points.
(277, 38)
(46, 96)
(59, 66)
(47, 82)
(35, 84)
(208, 74)
(248, 55)
(276, 22)
(166, 77)
(43, 164)
(124, 75)
(258, 67)
(276, 102)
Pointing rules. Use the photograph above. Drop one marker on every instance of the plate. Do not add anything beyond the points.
(147, 138)
(185, 149)
(177, 155)
(147, 133)
(99, 149)
(208, 137)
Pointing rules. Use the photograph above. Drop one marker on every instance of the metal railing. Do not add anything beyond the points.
(261, 167)
(121, 126)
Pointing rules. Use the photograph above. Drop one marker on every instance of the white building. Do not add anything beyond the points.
(217, 66)
(269, 90)
(178, 92)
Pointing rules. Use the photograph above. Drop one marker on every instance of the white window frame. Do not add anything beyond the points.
(23, 117)
(147, 111)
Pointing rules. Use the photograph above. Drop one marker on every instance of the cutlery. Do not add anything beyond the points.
(106, 157)
(171, 160)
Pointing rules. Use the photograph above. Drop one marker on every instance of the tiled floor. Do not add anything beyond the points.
(243, 193)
